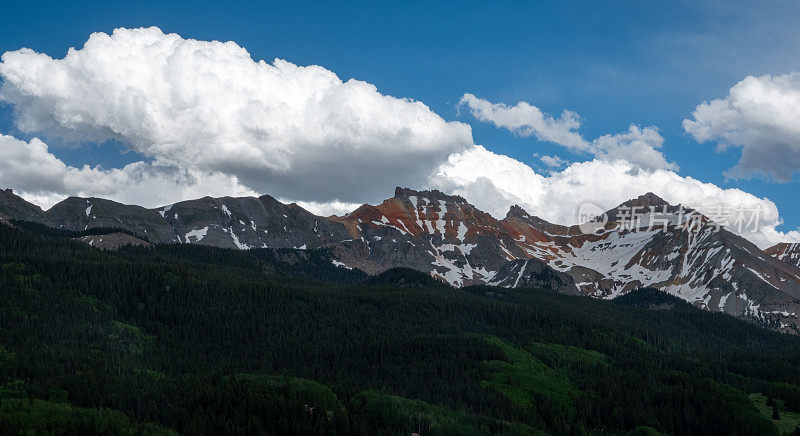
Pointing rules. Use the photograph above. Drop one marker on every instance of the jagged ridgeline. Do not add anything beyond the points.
(188, 339)
(448, 238)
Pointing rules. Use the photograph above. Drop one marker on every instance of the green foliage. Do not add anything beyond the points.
(788, 393)
(567, 357)
(43, 230)
(405, 277)
(533, 392)
(378, 413)
(6, 357)
(787, 420)
(643, 431)
(33, 416)
(259, 404)
(206, 340)
(314, 264)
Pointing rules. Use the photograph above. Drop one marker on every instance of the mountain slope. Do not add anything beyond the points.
(646, 242)
(229, 222)
(13, 206)
(248, 222)
(642, 242)
(78, 214)
(200, 339)
(430, 231)
(787, 252)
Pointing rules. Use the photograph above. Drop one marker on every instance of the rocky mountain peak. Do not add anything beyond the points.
(14, 206)
(517, 211)
(645, 201)
(642, 205)
(521, 222)
(433, 195)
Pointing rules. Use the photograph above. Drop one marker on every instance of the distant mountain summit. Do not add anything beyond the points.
(643, 242)
(14, 206)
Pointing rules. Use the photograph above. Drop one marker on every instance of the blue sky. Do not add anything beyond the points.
(613, 63)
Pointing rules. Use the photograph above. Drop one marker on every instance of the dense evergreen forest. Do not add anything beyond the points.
(199, 340)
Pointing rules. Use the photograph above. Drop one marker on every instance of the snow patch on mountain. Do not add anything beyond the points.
(198, 234)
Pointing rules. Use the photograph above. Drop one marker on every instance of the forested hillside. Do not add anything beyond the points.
(192, 339)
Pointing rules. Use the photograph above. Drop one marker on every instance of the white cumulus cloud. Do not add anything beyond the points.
(39, 176)
(293, 131)
(494, 182)
(637, 145)
(212, 121)
(553, 161)
(762, 116)
(528, 120)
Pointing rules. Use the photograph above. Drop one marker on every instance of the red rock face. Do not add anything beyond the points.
(451, 238)
(426, 214)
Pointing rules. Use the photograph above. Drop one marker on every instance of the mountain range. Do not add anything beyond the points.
(644, 242)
